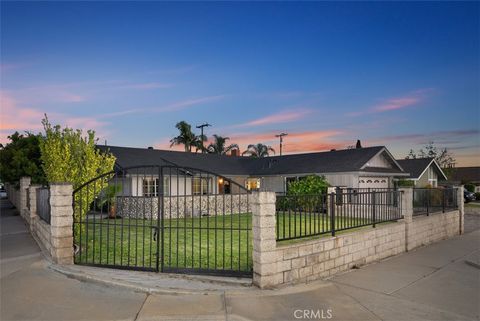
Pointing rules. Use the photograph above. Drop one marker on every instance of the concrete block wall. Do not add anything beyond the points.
(276, 264)
(56, 238)
(425, 230)
(13, 194)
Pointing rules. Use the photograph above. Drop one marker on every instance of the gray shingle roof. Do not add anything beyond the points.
(465, 174)
(414, 166)
(322, 162)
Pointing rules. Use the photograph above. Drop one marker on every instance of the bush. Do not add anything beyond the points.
(306, 194)
(405, 183)
(309, 185)
(477, 196)
(470, 187)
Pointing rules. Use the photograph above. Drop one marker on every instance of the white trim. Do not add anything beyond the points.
(384, 149)
(436, 164)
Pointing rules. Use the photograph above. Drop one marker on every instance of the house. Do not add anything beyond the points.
(466, 175)
(423, 171)
(371, 167)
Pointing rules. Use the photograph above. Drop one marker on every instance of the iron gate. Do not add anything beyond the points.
(164, 218)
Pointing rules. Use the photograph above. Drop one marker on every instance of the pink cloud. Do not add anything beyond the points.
(407, 101)
(281, 117)
(295, 142)
(396, 103)
(15, 117)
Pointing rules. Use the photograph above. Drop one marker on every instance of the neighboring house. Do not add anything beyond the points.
(464, 175)
(423, 171)
(371, 167)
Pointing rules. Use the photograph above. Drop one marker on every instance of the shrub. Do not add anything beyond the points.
(306, 194)
(477, 196)
(69, 156)
(470, 187)
(312, 184)
(405, 183)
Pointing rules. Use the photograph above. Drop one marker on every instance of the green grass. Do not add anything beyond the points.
(222, 242)
(214, 242)
(291, 225)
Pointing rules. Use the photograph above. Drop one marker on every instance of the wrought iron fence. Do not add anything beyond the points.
(164, 219)
(300, 216)
(43, 203)
(434, 200)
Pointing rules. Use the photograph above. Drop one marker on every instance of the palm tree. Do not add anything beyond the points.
(218, 145)
(258, 150)
(187, 138)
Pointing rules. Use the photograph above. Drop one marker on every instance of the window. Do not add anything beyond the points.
(252, 184)
(150, 187)
(200, 186)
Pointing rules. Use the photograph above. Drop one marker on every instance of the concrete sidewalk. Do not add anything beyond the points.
(431, 283)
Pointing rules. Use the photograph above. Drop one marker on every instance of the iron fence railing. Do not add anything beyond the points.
(434, 200)
(43, 203)
(300, 216)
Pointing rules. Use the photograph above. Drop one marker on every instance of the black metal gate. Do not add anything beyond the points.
(164, 218)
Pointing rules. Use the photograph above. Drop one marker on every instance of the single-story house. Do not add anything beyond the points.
(466, 175)
(370, 167)
(423, 171)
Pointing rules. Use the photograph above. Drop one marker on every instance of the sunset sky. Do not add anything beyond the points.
(394, 74)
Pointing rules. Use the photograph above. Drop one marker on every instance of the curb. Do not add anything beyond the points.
(83, 277)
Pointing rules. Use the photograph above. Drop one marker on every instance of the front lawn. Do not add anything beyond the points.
(213, 242)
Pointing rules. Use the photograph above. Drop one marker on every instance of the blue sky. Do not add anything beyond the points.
(398, 74)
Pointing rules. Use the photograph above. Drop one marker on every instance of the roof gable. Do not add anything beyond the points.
(417, 166)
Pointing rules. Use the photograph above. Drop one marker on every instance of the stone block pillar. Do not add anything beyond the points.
(32, 202)
(407, 212)
(264, 241)
(61, 223)
(23, 208)
(461, 209)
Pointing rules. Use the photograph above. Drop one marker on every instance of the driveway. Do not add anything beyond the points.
(437, 282)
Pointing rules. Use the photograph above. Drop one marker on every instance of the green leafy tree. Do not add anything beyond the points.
(219, 145)
(258, 150)
(187, 138)
(70, 156)
(21, 157)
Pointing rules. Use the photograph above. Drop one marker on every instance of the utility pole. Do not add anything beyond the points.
(281, 141)
(201, 129)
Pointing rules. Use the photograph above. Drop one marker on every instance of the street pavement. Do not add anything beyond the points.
(436, 282)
